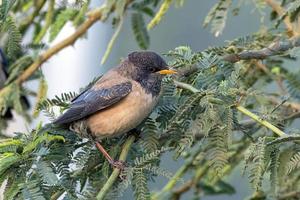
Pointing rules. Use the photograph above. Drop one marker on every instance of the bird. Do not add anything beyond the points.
(121, 99)
(3, 77)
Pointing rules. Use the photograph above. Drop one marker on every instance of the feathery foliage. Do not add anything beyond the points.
(200, 119)
(217, 17)
(139, 30)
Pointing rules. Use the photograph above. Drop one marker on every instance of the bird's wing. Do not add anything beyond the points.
(93, 100)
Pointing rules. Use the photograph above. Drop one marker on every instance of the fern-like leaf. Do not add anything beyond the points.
(217, 154)
(7, 160)
(159, 171)
(46, 172)
(217, 17)
(9, 145)
(141, 191)
(32, 190)
(63, 17)
(294, 163)
(13, 45)
(139, 30)
(150, 140)
(274, 165)
(159, 15)
(255, 162)
(146, 158)
(293, 84)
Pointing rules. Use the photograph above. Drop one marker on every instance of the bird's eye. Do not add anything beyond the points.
(152, 69)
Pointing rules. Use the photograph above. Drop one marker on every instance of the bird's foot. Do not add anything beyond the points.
(119, 164)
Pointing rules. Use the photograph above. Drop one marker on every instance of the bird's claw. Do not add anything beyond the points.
(119, 164)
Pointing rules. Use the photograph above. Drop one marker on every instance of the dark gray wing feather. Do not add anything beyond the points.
(93, 100)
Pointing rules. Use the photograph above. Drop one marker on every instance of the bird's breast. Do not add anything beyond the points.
(124, 115)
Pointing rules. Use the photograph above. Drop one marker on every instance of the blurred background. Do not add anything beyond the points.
(77, 65)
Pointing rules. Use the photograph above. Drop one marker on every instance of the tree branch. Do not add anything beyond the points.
(280, 11)
(200, 172)
(290, 195)
(58, 47)
(293, 105)
(261, 121)
(273, 49)
(113, 177)
(177, 176)
(93, 16)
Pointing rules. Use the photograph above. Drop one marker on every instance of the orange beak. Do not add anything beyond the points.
(167, 71)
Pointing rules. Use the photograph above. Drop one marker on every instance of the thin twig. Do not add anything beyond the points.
(280, 11)
(113, 177)
(178, 175)
(277, 79)
(29, 19)
(48, 21)
(58, 47)
(293, 105)
(290, 195)
(261, 121)
(200, 172)
(112, 41)
(275, 48)
(93, 17)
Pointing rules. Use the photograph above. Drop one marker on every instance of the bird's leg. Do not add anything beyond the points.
(82, 129)
(115, 163)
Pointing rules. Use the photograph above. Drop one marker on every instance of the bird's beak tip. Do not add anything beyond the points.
(167, 71)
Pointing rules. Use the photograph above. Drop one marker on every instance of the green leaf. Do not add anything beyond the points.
(13, 45)
(218, 151)
(81, 15)
(12, 189)
(63, 17)
(274, 165)
(42, 138)
(120, 8)
(46, 172)
(217, 17)
(32, 190)
(294, 162)
(7, 160)
(5, 6)
(112, 41)
(141, 190)
(293, 84)
(150, 140)
(255, 162)
(139, 30)
(18, 67)
(159, 15)
(9, 145)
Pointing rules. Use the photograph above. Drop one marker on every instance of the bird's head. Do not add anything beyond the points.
(149, 63)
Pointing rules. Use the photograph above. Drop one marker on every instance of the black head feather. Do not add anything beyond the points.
(145, 65)
(147, 61)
